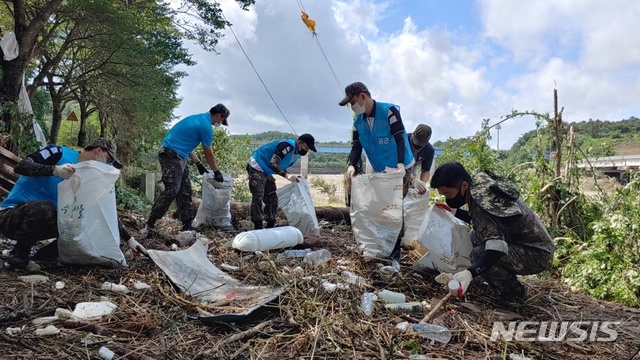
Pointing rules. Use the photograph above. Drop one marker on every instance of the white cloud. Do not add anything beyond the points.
(447, 79)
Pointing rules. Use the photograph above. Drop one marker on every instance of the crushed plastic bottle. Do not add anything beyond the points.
(433, 332)
(292, 254)
(352, 278)
(317, 258)
(366, 304)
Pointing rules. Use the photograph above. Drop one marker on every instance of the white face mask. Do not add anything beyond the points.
(357, 108)
(217, 124)
(102, 160)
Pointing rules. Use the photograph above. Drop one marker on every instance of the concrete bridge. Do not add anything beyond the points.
(614, 166)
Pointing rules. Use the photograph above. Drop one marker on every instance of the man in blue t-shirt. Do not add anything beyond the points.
(423, 153)
(273, 158)
(29, 213)
(178, 146)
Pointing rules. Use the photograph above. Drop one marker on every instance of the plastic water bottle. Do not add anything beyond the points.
(292, 254)
(433, 332)
(391, 297)
(106, 353)
(367, 303)
(317, 258)
(415, 307)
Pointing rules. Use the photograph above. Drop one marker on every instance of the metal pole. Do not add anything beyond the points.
(498, 127)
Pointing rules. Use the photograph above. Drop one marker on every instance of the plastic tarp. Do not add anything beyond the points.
(297, 205)
(447, 241)
(88, 218)
(193, 273)
(376, 212)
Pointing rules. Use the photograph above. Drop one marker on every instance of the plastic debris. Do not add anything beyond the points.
(391, 297)
(139, 285)
(317, 258)
(60, 285)
(44, 320)
(93, 310)
(33, 279)
(106, 353)
(433, 332)
(119, 288)
(48, 331)
(63, 313)
(366, 304)
(13, 331)
(405, 307)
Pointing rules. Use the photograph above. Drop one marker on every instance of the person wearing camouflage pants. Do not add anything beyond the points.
(269, 159)
(508, 237)
(178, 146)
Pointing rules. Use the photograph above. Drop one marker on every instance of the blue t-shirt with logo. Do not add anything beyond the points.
(188, 133)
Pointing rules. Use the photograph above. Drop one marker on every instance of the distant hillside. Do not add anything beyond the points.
(596, 137)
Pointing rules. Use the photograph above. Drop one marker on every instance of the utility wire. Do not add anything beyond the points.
(257, 74)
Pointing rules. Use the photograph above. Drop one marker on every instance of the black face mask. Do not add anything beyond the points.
(457, 201)
(302, 152)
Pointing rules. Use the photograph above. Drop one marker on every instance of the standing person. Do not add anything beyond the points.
(508, 237)
(378, 129)
(30, 212)
(423, 154)
(178, 146)
(269, 159)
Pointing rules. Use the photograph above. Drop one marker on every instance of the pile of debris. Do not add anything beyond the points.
(318, 315)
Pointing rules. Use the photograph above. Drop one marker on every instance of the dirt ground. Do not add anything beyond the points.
(307, 322)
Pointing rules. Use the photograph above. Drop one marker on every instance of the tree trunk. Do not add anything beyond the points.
(82, 132)
(103, 123)
(56, 119)
(10, 87)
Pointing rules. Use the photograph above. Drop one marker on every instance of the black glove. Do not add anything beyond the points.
(217, 176)
(201, 168)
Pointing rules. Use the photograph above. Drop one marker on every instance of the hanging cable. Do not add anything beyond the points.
(257, 74)
(317, 41)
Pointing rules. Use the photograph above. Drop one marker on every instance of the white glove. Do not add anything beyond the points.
(64, 171)
(351, 172)
(136, 246)
(400, 167)
(464, 278)
(419, 185)
(292, 178)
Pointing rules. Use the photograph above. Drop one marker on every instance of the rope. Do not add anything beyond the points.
(257, 74)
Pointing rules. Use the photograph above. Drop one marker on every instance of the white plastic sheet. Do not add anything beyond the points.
(215, 208)
(447, 240)
(376, 212)
(297, 205)
(88, 218)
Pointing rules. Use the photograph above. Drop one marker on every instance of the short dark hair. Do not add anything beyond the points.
(450, 174)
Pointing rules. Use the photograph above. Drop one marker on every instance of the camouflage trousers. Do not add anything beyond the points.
(29, 222)
(263, 190)
(519, 260)
(177, 186)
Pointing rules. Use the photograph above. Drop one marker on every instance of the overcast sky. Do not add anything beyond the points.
(448, 64)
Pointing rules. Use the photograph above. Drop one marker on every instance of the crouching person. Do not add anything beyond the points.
(508, 237)
(29, 213)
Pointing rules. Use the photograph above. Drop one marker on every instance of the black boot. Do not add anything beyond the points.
(257, 225)
(187, 227)
(270, 224)
(19, 256)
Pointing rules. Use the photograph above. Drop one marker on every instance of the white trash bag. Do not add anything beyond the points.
(376, 212)
(447, 240)
(297, 205)
(215, 208)
(415, 211)
(88, 218)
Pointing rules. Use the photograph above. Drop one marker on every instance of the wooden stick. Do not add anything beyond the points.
(436, 308)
